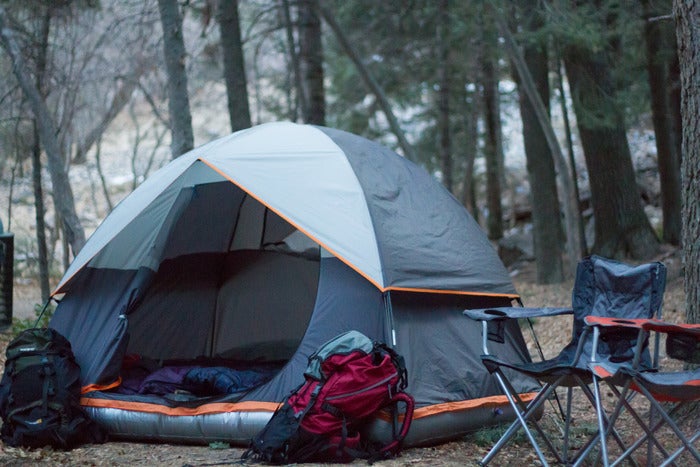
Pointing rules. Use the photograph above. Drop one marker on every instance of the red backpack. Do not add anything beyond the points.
(349, 379)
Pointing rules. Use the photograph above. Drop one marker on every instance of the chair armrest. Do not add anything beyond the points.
(691, 330)
(608, 322)
(503, 313)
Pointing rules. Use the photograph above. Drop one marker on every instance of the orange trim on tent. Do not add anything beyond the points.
(218, 407)
(459, 406)
(333, 252)
(350, 265)
(254, 406)
(491, 401)
(452, 292)
(258, 199)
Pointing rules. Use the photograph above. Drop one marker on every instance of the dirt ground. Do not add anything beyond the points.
(552, 335)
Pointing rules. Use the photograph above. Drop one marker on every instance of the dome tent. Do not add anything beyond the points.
(261, 246)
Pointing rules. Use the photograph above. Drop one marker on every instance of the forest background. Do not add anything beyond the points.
(541, 116)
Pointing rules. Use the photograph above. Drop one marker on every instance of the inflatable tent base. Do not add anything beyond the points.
(237, 423)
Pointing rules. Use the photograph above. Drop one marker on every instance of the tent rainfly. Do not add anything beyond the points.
(245, 255)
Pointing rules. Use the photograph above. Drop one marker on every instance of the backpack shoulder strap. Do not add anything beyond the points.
(393, 447)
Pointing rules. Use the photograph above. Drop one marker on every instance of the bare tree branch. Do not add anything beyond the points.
(62, 192)
(119, 101)
(571, 203)
(369, 81)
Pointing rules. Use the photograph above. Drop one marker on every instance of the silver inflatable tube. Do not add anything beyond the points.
(237, 428)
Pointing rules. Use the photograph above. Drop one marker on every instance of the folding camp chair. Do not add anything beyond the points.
(678, 387)
(602, 287)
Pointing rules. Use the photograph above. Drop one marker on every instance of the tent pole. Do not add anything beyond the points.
(390, 338)
(389, 325)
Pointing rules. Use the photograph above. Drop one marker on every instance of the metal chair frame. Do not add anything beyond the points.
(632, 380)
(570, 368)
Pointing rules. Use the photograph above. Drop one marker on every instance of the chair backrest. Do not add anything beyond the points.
(609, 288)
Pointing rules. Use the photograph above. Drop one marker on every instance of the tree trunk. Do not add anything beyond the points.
(369, 81)
(622, 229)
(301, 101)
(39, 211)
(469, 148)
(175, 57)
(576, 195)
(687, 13)
(62, 192)
(492, 119)
(443, 98)
(311, 62)
(675, 102)
(101, 175)
(234, 65)
(571, 206)
(39, 208)
(546, 220)
(659, 53)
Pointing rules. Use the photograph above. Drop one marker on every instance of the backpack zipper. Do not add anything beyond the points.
(360, 391)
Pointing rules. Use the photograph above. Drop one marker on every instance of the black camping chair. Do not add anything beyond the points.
(675, 386)
(602, 287)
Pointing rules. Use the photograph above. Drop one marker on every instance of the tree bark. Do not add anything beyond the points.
(571, 207)
(546, 220)
(101, 175)
(311, 62)
(121, 97)
(39, 208)
(687, 14)
(234, 65)
(370, 82)
(656, 35)
(469, 109)
(622, 229)
(443, 98)
(62, 192)
(675, 102)
(301, 101)
(178, 98)
(491, 146)
(576, 193)
(493, 153)
(39, 212)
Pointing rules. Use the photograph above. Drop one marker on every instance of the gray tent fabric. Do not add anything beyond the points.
(93, 319)
(345, 302)
(425, 239)
(261, 246)
(365, 204)
(437, 371)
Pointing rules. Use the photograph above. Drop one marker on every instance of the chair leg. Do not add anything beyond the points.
(602, 430)
(650, 454)
(610, 430)
(679, 451)
(605, 431)
(648, 437)
(669, 421)
(567, 423)
(649, 430)
(522, 412)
